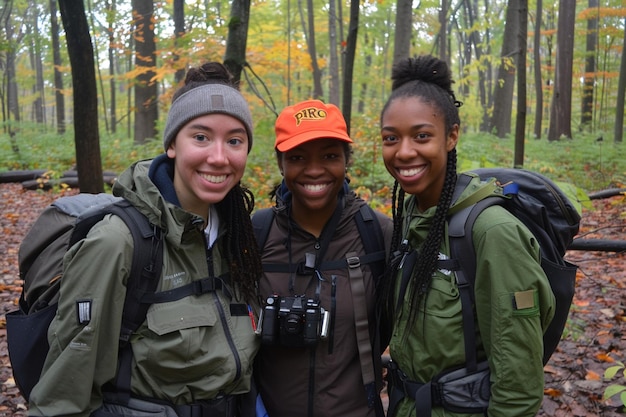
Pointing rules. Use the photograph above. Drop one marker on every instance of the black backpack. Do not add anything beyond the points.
(58, 228)
(549, 215)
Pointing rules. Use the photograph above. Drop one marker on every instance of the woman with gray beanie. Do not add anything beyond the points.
(192, 355)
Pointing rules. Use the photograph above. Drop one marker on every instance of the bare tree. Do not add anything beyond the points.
(621, 90)
(235, 56)
(111, 8)
(505, 83)
(86, 134)
(179, 31)
(37, 64)
(586, 116)
(561, 107)
(537, 71)
(309, 32)
(146, 109)
(333, 64)
(58, 77)
(404, 30)
(520, 121)
(442, 44)
(349, 64)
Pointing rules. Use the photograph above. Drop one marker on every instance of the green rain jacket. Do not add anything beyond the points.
(508, 261)
(187, 350)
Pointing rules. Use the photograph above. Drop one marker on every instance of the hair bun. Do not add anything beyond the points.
(209, 71)
(426, 68)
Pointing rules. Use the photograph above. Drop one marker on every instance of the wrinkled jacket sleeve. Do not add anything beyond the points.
(84, 357)
(508, 269)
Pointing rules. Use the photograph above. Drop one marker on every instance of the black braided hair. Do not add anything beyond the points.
(234, 210)
(243, 252)
(429, 79)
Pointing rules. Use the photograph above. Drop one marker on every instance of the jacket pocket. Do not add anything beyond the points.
(443, 298)
(171, 317)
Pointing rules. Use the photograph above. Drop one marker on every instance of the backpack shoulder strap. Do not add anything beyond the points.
(143, 279)
(373, 241)
(261, 224)
(146, 267)
(463, 255)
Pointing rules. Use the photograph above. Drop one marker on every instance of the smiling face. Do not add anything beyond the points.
(210, 154)
(416, 146)
(314, 172)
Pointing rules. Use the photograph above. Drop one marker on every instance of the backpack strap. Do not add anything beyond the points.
(369, 230)
(373, 242)
(261, 224)
(463, 256)
(143, 279)
(361, 324)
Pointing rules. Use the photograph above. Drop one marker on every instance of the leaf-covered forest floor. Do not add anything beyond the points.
(594, 339)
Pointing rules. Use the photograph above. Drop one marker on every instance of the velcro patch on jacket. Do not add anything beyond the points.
(83, 311)
(524, 299)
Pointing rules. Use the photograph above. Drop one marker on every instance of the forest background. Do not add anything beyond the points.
(527, 72)
(86, 85)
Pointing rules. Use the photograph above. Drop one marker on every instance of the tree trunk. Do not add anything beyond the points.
(235, 56)
(318, 92)
(621, 91)
(561, 109)
(38, 105)
(58, 77)
(484, 70)
(505, 84)
(86, 135)
(348, 71)
(112, 9)
(179, 29)
(333, 65)
(537, 70)
(403, 32)
(12, 101)
(442, 45)
(586, 115)
(146, 110)
(520, 120)
(366, 75)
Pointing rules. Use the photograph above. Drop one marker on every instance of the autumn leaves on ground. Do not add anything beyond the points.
(594, 339)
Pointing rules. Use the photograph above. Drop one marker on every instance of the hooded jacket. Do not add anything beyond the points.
(186, 351)
(324, 380)
(507, 262)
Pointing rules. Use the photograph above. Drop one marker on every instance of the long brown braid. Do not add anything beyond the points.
(234, 210)
(430, 79)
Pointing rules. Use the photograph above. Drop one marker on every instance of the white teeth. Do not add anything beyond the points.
(410, 172)
(314, 187)
(214, 178)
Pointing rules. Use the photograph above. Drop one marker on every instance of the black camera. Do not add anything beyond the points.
(293, 321)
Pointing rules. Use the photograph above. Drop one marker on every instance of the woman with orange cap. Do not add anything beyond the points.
(319, 355)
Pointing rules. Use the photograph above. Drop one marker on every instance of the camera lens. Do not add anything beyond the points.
(293, 323)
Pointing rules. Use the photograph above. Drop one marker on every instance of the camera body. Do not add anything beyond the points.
(293, 321)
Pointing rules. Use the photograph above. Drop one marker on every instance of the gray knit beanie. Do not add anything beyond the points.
(206, 99)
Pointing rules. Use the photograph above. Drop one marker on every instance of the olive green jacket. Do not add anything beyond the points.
(186, 350)
(508, 262)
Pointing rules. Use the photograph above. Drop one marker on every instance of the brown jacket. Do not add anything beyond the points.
(325, 380)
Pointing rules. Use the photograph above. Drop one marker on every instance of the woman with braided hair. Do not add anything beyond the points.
(422, 307)
(192, 355)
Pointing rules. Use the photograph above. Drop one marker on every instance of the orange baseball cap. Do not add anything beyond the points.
(309, 120)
